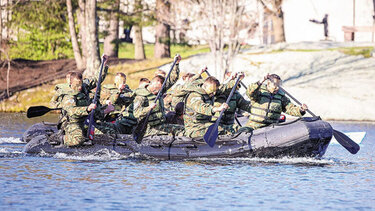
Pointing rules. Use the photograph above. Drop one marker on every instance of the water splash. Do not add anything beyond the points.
(101, 155)
(283, 160)
(11, 140)
(9, 152)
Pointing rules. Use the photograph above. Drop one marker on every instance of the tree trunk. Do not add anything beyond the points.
(278, 26)
(93, 59)
(73, 35)
(162, 30)
(111, 41)
(373, 25)
(1, 29)
(139, 52)
(82, 30)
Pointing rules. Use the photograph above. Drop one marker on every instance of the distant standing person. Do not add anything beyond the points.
(325, 23)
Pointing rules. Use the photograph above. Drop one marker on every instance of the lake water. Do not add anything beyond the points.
(338, 181)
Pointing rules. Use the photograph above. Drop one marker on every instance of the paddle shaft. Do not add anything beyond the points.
(90, 133)
(238, 122)
(229, 97)
(213, 129)
(295, 100)
(139, 136)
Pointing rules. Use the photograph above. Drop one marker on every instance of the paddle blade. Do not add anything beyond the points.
(139, 131)
(36, 111)
(346, 142)
(211, 135)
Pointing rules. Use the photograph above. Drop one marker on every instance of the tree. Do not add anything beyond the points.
(92, 41)
(162, 30)
(139, 50)
(73, 35)
(87, 21)
(225, 25)
(373, 24)
(111, 40)
(273, 8)
(38, 30)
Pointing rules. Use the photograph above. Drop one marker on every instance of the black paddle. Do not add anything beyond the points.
(35, 111)
(238, 122)
(91, 128)
(140, 130)
(212, 132)
(344, 140)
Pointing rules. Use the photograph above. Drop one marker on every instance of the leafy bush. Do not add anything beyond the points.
(40, 30)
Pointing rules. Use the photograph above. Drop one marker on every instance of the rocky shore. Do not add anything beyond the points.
(334, 85)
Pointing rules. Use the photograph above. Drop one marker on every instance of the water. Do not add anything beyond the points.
(108, 180)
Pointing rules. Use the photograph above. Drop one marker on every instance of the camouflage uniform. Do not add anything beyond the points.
(119, 100)
(156, 122)
(267, 107)
(75, 106)
(126, 121)
(179, 91)
(74, 110)
(60, 91)
(237, 101)
(198, 110)
(89, 84)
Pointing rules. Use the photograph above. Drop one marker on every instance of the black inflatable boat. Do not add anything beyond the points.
(306, 137)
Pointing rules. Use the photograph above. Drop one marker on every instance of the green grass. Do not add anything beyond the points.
(355, 51)
(126, 50)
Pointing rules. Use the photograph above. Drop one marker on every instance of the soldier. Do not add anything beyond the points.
(77, 106)
(144, 102)
(88, 84)
(143, 82)
(160, 72)
(178, 92)
(60, 91)
(236, 102)
(268, 102)
(199, 107)
(118, 94)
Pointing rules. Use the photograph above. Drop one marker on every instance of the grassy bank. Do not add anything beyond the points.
(41, 95)
(352, 51)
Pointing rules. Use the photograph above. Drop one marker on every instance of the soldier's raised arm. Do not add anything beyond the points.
(91, 82)
(174, 74)
(252, 90)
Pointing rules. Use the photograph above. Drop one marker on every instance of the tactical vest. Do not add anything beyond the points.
(194, 117)
(266, 107)
(61, 90)
(157, 116)
(229, 114)
(109, 90)
(80, 100)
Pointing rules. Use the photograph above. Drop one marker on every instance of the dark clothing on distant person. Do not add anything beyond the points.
(325, 23)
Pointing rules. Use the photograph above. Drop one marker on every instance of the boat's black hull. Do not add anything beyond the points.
(304, 138)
